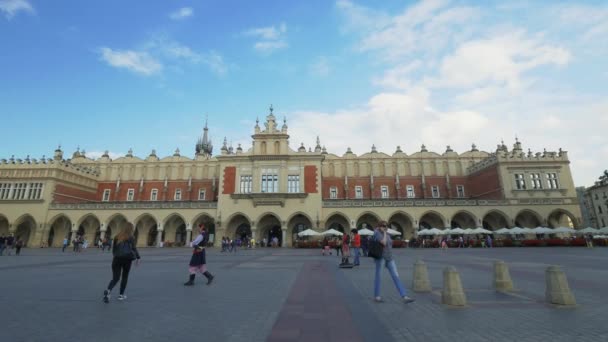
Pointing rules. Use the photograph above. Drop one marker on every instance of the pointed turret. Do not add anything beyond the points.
(318, 146)
(204, 146)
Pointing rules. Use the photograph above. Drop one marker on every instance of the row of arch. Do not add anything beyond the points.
(175, 228)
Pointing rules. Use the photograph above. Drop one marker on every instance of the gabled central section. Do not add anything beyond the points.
(271, 141)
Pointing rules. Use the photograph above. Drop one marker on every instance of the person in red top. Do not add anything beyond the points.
(356, 243)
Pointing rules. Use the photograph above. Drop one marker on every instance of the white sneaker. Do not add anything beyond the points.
(378, 299)
(122, 297)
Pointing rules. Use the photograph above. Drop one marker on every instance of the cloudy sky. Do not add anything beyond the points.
(113, 75)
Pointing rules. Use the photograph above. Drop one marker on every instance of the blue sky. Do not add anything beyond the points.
(114, 75)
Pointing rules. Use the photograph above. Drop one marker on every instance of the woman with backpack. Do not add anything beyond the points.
(383, 238)
(124, 252)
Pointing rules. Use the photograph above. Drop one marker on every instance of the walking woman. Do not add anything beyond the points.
(197, 261)
(124, 252)
(380, 235)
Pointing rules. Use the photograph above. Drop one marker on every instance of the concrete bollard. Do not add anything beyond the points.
(557, 290)
(421, 282)
(502, 278)
(452, 293)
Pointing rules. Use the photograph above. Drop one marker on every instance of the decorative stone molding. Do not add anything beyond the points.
(135, 205)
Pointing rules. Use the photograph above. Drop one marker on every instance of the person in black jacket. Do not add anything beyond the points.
(198, 262)
(124, 252)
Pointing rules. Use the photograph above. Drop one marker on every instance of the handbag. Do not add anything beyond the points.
(376, 249)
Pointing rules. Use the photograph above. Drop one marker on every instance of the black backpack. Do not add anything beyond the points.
(125, 250)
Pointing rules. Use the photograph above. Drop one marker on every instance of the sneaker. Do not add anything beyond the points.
(106, 296)
(122, 297)
(210, 279)
(407, 300)
(378, 299)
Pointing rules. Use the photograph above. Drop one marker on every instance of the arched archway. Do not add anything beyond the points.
(403, 223)
(60, 228)
(270, 228)
(494, 220)
(297, 223)
(431, 219)
(26, 226)
(145, 228)
(89, 228)
(3, 226)
(464, 220)
(528, 219)
(561, 218)
(239, 222)
(114, 225)
(368, 220)
(174, 230)
(337, 221)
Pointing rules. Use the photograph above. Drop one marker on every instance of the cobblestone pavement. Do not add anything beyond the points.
(47, 295)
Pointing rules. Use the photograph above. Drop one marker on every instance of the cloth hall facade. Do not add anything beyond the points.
(271, 190)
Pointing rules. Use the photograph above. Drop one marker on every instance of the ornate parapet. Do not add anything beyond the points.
(441, 203)
(135, 205)
(268, 198)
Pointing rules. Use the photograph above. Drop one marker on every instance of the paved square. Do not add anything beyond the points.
(297, 295)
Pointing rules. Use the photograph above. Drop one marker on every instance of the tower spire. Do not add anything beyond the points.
(204, 146)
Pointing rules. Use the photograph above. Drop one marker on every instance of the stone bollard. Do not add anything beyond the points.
(452, 293)
(557, 290)
(421, 282)
(502, 278)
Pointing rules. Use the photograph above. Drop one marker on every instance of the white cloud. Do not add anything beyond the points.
(13, 7)
(399, 76)
(592, 19)
(137, 61)
(320, 67)
(269, 38)
(181, 13)
(159, 51)
(425, 27)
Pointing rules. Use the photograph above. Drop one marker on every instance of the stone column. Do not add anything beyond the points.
(188, 234)
(283, 239)
(159, 235)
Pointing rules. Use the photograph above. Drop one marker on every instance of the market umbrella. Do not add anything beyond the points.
(308, 232)
(517, 230)
(503, 231)
(480, 230)
(455, 231)
(469, 231)
(542, 230)
(332, 232)
(588, 230)
(425, 232)
(563, 230)
(436, 231)
(604, 230)
(391, 231)
(366, 231)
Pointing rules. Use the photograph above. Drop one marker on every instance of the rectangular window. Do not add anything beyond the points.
(599, 209)
(35, 191)
(460, 191)
(5, 190)
(293, 183)
(333, 192)
(270, 181)
(435, 191)
(19, 192)
(201, 194)
(410, 191)
(552, 181)
(358, 191)
(246, 182)
(603, 223)
(106, 195)
(130, 194)
(178, 195)
(535, 180)
(154, 195)
(520, 182)
(384, 191)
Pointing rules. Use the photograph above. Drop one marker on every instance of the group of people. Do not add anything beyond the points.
(231, 245)
(9, 242)
(124, 252)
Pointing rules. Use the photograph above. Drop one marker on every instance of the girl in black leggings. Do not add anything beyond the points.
(124, 252)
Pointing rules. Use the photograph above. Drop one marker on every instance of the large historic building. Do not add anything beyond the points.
(272, 190)
(595, 202)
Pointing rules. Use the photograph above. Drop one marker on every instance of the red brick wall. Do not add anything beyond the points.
(310, 179)
(229, 180)
(67, 194)
(329, 182)
(145, 194)
(485, 184)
